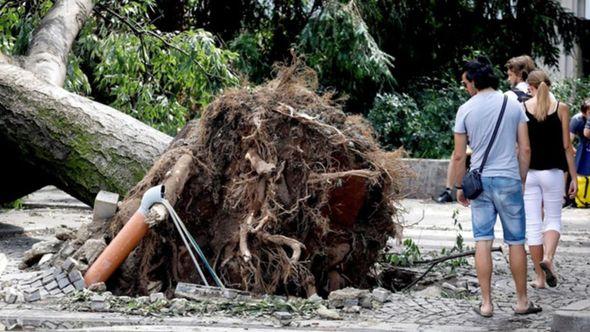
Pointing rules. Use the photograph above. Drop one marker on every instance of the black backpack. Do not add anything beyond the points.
(521, 95)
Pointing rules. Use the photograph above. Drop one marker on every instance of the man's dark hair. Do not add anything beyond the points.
(481, 73)
(585, 106)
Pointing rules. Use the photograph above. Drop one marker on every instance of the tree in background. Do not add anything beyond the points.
(163, 60)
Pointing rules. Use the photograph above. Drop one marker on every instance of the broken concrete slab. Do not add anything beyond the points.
(98, 287)
(39, 249)
(324, 312)
(347, 297)
(381, 295)
(45, 260)
(65, 234)
(91, 250)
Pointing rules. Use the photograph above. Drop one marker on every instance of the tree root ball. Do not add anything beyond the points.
(284, 193)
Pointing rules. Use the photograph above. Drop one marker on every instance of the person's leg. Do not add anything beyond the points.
(483, 218)
(518, 267)
(508, 198)
(534, 225)
(483, 267)
(552, 196)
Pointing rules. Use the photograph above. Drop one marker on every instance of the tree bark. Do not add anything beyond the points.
(51, 43)
(83, 146)
(47, 59)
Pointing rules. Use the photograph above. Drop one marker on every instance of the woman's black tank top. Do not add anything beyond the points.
(546, 139)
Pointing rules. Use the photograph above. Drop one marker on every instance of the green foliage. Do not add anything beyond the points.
(162, 85)
(17, 204)
(572, 91)
(428, 36)
(18, 19)
(162, 79)
(409, 255)
(422, 124)
(253, 48)
(337, 44)
(394, 119)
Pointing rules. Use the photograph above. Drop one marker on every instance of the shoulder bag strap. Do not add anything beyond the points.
(485, 156)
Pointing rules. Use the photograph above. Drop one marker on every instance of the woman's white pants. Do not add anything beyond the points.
(544, 190)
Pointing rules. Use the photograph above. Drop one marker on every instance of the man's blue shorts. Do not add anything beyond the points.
(501, 196)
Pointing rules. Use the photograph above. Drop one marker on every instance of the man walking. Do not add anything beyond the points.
(503, 176)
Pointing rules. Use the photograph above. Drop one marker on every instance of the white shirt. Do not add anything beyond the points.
(522, 86)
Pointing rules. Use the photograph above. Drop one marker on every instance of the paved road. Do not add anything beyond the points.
(431, 227)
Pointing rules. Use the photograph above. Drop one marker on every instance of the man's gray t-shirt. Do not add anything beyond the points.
(477, 118)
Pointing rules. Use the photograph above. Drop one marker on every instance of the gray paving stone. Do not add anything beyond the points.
(32, 295)
(69, 289)
(75, 275)
(79, 284)
(52, 285)
(63, 282)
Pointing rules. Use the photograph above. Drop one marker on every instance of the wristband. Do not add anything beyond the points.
(458, 188)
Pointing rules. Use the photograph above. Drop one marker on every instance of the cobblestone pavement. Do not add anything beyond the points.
(436, 231)
(432, 229)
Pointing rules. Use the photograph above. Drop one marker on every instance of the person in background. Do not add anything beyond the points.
(518, 69)
(502, 178)
(580, 130)
(551, 155)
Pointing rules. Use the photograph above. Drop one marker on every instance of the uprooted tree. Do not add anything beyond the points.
(284, 192)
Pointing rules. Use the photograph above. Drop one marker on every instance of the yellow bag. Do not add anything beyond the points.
(583, 196)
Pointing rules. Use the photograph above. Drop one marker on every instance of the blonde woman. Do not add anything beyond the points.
(551, 155)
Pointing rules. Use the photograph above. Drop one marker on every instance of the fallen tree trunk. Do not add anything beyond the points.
(82, 145)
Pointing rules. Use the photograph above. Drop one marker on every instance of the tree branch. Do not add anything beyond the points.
(51, 43)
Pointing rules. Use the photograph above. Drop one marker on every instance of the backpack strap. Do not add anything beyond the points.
(521, 95)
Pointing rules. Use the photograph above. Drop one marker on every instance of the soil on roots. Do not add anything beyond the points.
(285, 194)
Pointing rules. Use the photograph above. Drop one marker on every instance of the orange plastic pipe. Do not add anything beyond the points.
(118, 250)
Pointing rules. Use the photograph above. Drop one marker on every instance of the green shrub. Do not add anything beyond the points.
(394, 119)
(422, 124)
(572, 91)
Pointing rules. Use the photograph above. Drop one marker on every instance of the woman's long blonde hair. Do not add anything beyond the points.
(540, 80)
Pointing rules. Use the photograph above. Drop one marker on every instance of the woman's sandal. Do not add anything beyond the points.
(532, 309)
(549, 275)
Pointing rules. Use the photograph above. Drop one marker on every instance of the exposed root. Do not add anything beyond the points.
(244, 251)
(260, 166)
(281, 240)
(364, 173)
